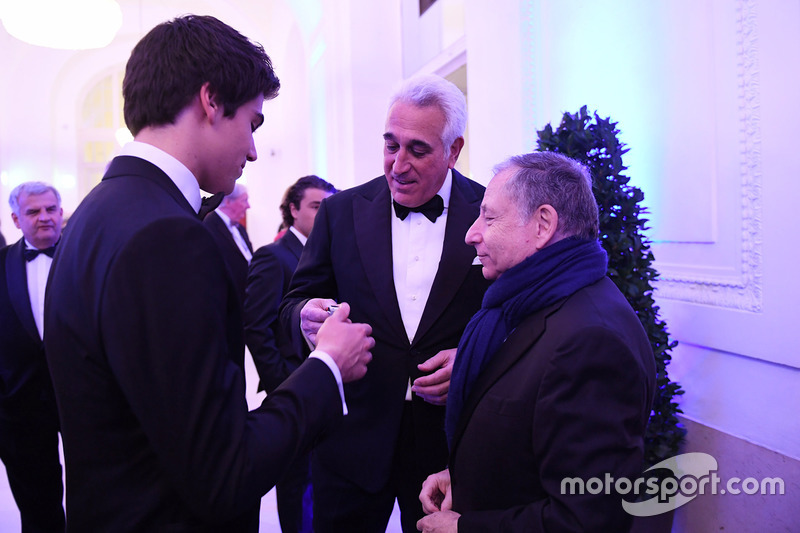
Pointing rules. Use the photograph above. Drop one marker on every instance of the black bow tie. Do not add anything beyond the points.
(432, 209)
(210, 203)
(32, 253)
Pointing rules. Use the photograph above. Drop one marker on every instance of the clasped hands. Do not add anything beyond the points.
(347, 343)
(431, 387)
(437, 503)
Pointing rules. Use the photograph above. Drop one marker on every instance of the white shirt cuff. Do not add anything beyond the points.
(328, 360)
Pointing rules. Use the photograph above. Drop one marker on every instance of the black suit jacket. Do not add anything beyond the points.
(567, 395)
(230, 250)
(24, 377)
(145, 344)
(270, 344)
(348, 257)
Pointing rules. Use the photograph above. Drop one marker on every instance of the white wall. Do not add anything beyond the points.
(42, 91)
(705, 93)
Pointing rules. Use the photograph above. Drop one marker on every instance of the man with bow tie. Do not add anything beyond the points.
(393, 248)
(28, 416)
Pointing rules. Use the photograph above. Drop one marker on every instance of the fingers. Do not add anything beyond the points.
(440, 360)
(447, 502)
(313, 315)
(431, 500)
(350, 345)
(434, 387)
(435, 491)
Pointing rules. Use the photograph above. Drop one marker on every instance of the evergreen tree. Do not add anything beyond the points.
(593, 141)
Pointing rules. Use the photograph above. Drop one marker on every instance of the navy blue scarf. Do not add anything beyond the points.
(549, 275)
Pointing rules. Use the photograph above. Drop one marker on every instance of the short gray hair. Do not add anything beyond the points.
(238, 190)
(30, 188)
(432, 90)
(554, 179)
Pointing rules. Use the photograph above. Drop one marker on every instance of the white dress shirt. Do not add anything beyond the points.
(37, 271)
(417, 245)
(300, 237)
(416, 251)
(237, 236)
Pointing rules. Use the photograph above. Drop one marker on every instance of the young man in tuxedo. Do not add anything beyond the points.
(28, 414)
(394, 249)
(273, 353)
(145, 336)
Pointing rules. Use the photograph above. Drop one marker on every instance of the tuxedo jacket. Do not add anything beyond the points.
(230, 250)
(567, 395)
(348, 257)
(145, 344)
(271, 270)
(24, 377)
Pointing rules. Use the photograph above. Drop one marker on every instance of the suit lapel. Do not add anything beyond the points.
(457, 256)
(243, 232)
(17, 279)
(373, 232)
(221, 228)
(518, 344)
(292, 243)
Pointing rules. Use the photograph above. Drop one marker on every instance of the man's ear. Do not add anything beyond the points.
(15, 218)
(455, 151)
(546, 224)
(293, 210)
(209, 103)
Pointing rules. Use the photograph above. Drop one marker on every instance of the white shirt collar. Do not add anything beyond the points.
(300, 237)
(225, 218)
(181, 176)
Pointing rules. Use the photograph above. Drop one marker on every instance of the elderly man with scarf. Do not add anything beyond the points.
(554, 376)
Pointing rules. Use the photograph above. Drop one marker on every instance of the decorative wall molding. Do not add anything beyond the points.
(742, 291)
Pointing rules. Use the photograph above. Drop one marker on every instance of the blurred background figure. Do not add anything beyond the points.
(28, 415)
(274, 356)
(226, 224)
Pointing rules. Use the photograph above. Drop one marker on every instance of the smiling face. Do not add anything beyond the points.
(229, 147)
(40, 218)
(500, 236)
(414, 160)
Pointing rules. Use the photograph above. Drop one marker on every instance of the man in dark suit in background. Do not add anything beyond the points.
(554, 376)
(28, 415)
(271, 347)
(405, 269)
(225, 225)
(145, 338)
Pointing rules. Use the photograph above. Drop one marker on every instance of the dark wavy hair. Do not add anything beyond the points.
(295, 194)
(175, 59)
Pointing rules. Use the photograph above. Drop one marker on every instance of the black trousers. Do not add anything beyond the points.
(29, 451)
(340, 505)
